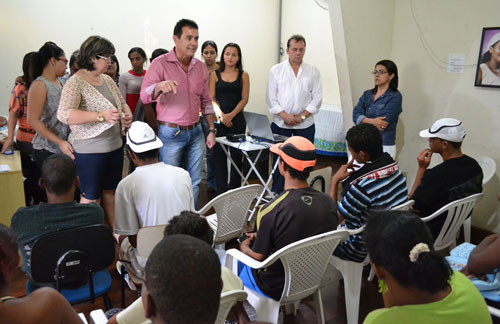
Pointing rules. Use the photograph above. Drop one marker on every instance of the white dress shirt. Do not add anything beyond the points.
(291, 94)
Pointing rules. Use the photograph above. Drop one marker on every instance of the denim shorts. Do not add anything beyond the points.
(98, 172)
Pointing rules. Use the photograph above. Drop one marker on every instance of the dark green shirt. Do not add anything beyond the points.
(31, 223)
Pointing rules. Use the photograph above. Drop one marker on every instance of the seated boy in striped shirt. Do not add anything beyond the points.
(377, 185)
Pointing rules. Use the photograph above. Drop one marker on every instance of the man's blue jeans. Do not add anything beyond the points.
(184, 150)
(278, 180)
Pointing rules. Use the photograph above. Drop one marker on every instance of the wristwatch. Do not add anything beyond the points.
(100, 117)
(213, 130)
(302, 117)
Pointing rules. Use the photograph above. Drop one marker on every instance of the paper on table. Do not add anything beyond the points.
(4, 168)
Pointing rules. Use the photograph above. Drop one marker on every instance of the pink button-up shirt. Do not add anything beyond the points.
(192, 95)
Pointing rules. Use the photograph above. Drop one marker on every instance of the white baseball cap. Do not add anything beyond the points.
(448, 129)
(142, 138)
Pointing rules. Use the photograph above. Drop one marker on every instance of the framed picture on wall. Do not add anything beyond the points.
(488, 65)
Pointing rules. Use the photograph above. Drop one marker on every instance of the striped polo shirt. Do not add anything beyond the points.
(381, 187)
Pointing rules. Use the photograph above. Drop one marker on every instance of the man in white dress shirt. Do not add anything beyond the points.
(293, 96)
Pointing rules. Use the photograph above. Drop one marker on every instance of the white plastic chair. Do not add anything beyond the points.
(98, 317)
(304, 264)
(147, 238)
(404, 206)
(352, 272)
(457, 211)
(82, 317)
(320, 179)
(494, 311)
(227, 301)
(231, 210)
(488, 166)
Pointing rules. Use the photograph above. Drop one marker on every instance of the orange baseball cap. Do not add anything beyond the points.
(297, 151)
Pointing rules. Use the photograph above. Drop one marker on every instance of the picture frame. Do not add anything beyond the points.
(489, 57)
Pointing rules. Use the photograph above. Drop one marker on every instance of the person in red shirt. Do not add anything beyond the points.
(178, 83)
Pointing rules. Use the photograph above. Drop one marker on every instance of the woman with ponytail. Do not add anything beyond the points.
(47, 65)
(417, 284)
(381, 105)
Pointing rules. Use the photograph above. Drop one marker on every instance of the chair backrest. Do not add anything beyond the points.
(232, 209)
(320, 179)
(95, 243)
(456, 213)
(488, 166)
(305, 262)
(227, 301)
(404, 206)
(147, 238)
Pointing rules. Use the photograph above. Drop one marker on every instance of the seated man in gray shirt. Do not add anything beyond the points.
(61, 212)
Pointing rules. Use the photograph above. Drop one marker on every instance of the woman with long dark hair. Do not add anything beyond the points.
(113, 69)
(230, 87)
(381, 105)
(416, 283)
(47, 65)
(18, 113)
(92, 105)
(131, 81)
(209, 54)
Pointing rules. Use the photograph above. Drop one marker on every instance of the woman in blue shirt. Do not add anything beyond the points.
(381, 105)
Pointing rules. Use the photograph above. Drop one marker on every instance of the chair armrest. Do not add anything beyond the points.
(249, 261)
(82, 317)
(205, 208)
(240, 256)
(494, 311)
(356, 231)
(97, 317)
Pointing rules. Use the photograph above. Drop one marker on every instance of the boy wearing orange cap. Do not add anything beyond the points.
(297, 213)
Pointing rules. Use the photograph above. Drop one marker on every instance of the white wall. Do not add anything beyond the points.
(386, 28)
(26, 25)
(305, 17)
(430, 92)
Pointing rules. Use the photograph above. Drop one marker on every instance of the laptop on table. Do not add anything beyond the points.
(259, 128)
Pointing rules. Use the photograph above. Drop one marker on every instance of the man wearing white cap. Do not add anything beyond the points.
(151, 195)
(457, 177)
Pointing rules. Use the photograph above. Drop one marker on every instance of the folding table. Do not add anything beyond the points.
(247, 146)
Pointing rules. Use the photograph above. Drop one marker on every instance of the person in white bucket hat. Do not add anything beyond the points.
(151, 195)
(458, 176)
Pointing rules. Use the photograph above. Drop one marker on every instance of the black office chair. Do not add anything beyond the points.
(75, 262)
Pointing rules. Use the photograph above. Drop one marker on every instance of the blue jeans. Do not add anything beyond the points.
(278, 180)
(209, 157)
(183, 150)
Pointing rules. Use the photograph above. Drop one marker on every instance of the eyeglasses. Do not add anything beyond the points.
(107, 59)
(379, 72)
(62, 59)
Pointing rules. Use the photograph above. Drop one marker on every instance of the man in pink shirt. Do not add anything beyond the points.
(178, 82)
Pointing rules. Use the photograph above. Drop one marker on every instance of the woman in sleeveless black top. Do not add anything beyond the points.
(230, 87)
